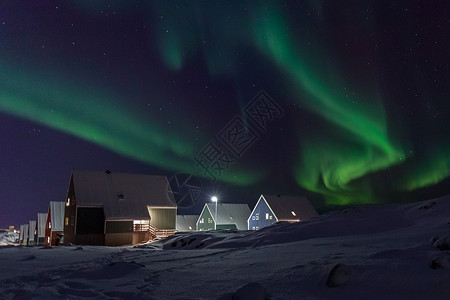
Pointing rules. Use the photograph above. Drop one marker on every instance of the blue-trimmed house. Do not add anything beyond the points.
(275, 208)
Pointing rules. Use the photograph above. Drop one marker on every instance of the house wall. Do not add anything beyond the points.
(261, 216)
(32, 233)
(119, 226)
(89, 239)
(48, 230)
(226, 227)
(118, 239)
(163, 218)
(57, 238)
(70, 217)
(89, 227)
(205, 221)
(140, 237)
(25, 234)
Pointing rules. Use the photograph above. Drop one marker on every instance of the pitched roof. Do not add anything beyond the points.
(41, 220)
(230, 213)
(57, 209)
(184, 221)
(31, 228)
(283, 206)
(122, 195)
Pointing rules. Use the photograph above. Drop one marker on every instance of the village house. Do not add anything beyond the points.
(271, 209)
(32, 233)
(40, 226)
(187, 222)
(223, 216)
(54, 226)
(109, 208)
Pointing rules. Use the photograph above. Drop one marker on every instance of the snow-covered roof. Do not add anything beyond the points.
(230, 213)
(290, 207)
(21, 232)
(122, 195)
(25, 231)
(31, 228)
(57, 209)
(41, 220)
(186, 222)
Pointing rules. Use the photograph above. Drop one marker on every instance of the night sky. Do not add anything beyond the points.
(345, 103)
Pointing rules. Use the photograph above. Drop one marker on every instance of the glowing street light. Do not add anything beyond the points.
(214, 199)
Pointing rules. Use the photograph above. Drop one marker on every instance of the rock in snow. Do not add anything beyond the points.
(339, 275)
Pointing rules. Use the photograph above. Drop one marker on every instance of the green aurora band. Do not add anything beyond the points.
(96, 117)
(337, 165)
(330, 164)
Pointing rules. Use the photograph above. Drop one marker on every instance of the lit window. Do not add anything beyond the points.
(270, 217)
(257, 227)
(231, 218)
(257, 216)
(66, 221)
(48, 240)
(50, 225)
(68, 202)
(293, 213)
(253, 218)
(267, 216)
(190, 227)
(253, 228)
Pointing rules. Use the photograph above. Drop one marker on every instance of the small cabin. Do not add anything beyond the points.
(32, 233)
(25, 236)
(110, 208)
(186, 222)
(40, 228)
(54, 226)
(275, 208)
(223, 216)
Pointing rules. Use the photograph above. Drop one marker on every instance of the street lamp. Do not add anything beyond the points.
(214, 199)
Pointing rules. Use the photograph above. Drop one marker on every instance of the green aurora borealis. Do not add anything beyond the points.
(361, 137)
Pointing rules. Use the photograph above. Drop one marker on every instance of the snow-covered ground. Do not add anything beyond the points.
(371, 252)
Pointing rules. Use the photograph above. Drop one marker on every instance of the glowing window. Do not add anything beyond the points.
(231, 218)
(68, 202)
(253, 228)
(267, 216)
(66, 221)
(293, 213)
(257, 216)
(257, 227)
(190, 227)
(270, 217)
(253, 218)
(50, 225)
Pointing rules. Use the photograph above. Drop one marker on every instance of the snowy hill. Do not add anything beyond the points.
(370, 252)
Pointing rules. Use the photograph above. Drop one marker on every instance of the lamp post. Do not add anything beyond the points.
(214, 199)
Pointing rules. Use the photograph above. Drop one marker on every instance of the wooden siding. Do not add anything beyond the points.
(163, 218)
(119, 226)
(261, 216)
(205, 221)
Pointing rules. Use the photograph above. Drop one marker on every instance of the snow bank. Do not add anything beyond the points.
(370, 252)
